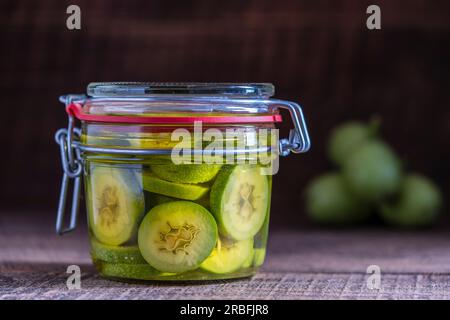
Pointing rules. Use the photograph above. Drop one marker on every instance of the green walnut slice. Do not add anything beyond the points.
(186, 173)
(116, 254)
(249, 261)
(228, 256)
(154, 199)
(128, 271)
(177, 236)
(239, 201)
(173, 189)
(259, 256)
(115, 202)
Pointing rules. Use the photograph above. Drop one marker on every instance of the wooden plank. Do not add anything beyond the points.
(300, 265)
(49, 283)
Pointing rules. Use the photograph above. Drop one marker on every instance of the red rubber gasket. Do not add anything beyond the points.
(76, 110)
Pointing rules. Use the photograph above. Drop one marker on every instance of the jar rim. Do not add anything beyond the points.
(148, 89)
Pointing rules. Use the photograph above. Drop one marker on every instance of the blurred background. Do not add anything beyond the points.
(318, 53)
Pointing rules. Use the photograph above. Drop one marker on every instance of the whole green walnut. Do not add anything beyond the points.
(417, 204)
(373, 171)
(329, 201)
(346, 138)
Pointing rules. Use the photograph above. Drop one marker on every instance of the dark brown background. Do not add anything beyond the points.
(319, 53)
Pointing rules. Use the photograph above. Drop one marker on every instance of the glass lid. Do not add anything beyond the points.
(155, 102)
(144, 89)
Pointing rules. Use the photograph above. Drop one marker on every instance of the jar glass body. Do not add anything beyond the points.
(177, 176)
(152, 219)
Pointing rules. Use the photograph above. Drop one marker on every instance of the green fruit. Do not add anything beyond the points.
(228, 256)
(373, 171)
(115, 203)
(128, 271)
(346, 138)
(239, 201)
(104, 141)
(260, 239)
(186, 173)
(329, 201)
(172, 189)
(151, 140)
(115, 254)
(249, 261)
(260, 255)
(154, 199)
(177, 236)
(418, 203)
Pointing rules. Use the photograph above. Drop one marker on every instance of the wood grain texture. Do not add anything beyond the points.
(300, 265)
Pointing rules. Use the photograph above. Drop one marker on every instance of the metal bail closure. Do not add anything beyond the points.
(72, 166)
(298, 141)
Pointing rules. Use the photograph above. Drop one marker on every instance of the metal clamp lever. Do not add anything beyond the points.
(72, 167)
(298, 141)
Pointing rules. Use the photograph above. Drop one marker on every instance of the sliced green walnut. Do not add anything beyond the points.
(116, 254)
(228, 256)
(152, 140)
(239, 201)
(154, 199)
(260, 239)
(249, 261)
(173, 189)
(177, 236)
(259, 256)
(128, 271)
(104, 140)
(115, 202)
(186, 173)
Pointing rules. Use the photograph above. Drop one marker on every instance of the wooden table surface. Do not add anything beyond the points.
(313, 264)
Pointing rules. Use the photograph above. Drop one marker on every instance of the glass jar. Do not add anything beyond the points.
(177, 176)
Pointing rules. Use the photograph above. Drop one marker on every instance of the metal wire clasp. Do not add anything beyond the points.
(298, 141)
(72, 166)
